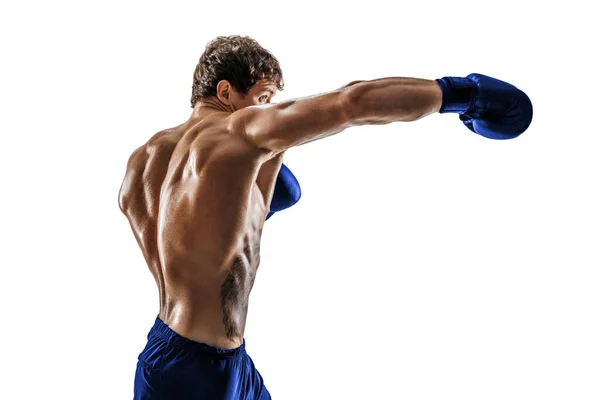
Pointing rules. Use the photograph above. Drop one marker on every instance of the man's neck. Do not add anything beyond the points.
(210, 105)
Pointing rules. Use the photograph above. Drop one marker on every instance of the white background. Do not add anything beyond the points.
(422, 262)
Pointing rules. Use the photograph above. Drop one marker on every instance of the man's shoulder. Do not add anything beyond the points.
(217, 136)
(167, 138)
(159, 146)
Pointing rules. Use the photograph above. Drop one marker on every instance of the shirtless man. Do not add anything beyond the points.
(197, 196)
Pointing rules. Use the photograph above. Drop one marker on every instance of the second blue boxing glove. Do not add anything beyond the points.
(287, 191)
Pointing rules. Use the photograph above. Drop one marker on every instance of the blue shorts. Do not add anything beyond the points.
(176, 368)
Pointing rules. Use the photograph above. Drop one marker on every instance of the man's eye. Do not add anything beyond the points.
(263, 97)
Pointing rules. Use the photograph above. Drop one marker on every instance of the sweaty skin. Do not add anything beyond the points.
(197, 195)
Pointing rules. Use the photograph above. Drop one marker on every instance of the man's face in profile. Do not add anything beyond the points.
(261, 93)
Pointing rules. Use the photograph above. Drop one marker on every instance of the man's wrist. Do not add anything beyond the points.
(457, 94)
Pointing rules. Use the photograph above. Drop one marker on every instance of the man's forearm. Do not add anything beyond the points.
(386, 100)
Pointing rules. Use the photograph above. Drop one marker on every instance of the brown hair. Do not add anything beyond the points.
(237, 59)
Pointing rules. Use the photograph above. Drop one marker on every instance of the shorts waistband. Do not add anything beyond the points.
(163, 331)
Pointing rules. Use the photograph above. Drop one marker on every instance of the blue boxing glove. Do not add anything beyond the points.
(287, 191)
(487, 106)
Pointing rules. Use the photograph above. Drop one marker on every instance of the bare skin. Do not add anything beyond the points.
(197, 195)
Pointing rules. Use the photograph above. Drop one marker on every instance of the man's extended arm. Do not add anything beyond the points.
(487, 106)
(277, 127)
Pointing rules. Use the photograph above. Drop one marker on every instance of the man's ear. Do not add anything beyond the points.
(224, 91)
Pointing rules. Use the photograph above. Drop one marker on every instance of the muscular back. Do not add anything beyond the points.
(196, 197)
